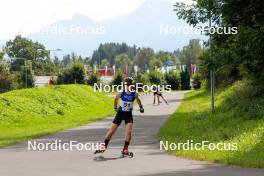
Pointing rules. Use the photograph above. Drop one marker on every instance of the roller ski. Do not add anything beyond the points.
(101, 149)
(126, 153)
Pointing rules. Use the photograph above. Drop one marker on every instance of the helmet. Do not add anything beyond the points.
(129, 81)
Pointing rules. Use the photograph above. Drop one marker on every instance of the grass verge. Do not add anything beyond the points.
(30, 113)
(239, 118)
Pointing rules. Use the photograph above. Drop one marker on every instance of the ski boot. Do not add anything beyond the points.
(101, 149)
(125, 153)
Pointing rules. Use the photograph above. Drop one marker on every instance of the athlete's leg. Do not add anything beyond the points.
(154, 99)
(108, 136)
(111, 131)
(164, 99)
(129, 127)
(116, 122)
(158, 99)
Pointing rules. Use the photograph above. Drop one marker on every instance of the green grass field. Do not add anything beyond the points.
(30, 113)
(239, 118)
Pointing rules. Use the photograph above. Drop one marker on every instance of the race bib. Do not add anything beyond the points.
(126, 105)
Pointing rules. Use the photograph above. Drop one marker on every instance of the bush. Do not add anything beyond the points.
(93, 79)
(143, 79)
(73, 74)
(8, 81)
(246, 98)
(173, 79)
(156, 77)
(196, 81)
(185, 80)
(118, 79)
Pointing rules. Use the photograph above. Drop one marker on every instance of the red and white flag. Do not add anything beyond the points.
(114, 69)
(126, 70)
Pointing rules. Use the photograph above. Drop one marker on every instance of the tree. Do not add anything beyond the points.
(156, 77)
(118, 79)
(57, 64)
(44, 67)
(66, 60)
(142, 78)
(25, 48)
(185, 80)
(8, 81)
(155, 63)
(93, 79)
(190, 53)
(122, 60)
(173, 79)
(87, 61)
(105, 63)
(1, 55)
(27, 75)
(237, 55)
(111, 50)
(166, 56)
(143, 58)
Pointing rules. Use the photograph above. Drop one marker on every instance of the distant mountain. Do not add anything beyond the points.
(153, 25)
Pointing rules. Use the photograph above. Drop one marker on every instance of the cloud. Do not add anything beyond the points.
(29, 16)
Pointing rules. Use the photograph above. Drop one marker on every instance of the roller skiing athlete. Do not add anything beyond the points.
(123, 113)
(158, 94)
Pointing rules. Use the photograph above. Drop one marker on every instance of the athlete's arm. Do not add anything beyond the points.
(141, 109)
(116, 99)
(138, 100)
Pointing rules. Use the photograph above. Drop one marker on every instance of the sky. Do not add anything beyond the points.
(29, 16)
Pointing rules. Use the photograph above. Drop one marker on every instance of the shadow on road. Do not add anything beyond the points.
(102, 158)
(174, 100)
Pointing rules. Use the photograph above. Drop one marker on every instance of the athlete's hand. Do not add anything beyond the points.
(141, 109)
(116, 109)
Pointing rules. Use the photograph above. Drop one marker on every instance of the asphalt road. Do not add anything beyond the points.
(149, 160)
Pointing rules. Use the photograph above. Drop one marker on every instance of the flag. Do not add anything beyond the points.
(106, 70)
(136, 69)
(95, 69)
(193, 68)
(114, 69)
(126, 70)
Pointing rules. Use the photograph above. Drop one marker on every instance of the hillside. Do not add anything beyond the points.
(35, 112)
(239, 118)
